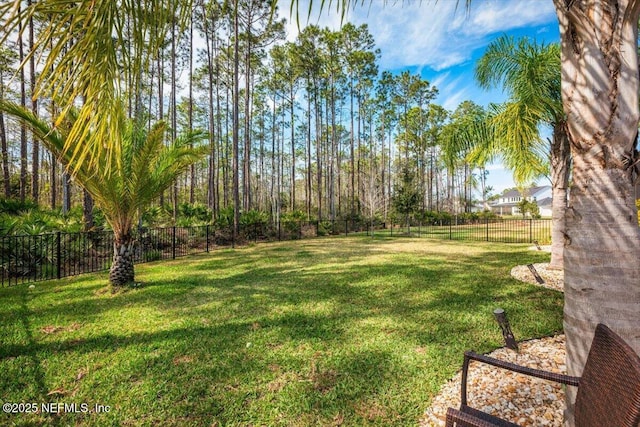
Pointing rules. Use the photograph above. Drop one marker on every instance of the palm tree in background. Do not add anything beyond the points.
(530, 73)
(122, 181)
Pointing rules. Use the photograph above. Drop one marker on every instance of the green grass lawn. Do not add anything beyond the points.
(512, 231)
(335, 331)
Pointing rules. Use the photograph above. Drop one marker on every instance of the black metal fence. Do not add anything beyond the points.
(33, 258)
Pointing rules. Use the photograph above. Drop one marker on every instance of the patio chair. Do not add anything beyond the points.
(608, 390)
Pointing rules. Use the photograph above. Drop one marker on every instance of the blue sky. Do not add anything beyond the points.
(442, 40)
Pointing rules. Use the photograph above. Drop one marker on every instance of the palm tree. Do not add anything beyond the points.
(599, 85)
(123, 181)
(530, 73)
(600, 98)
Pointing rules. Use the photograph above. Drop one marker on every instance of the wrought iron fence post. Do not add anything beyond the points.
(530, 230)
(207, 234)
(486, 220)
(450, 229)
(173, 243)
(58, 255)
(346, 227)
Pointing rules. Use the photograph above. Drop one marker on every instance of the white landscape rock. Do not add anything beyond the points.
(523, 400)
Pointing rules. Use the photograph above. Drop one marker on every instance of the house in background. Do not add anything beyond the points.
(507, 204)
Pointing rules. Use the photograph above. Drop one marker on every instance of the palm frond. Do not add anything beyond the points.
(520, 144)
(96, 49)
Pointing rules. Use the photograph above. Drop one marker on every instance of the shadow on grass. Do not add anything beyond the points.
(302, 336)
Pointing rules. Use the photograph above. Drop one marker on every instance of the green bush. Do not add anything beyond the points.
(157, 216)
(295, 215)
(253, 217)
(325, 228)
(16, 207)
(197, 213)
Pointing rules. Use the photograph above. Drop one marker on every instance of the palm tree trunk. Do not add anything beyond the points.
(121, 272)
(600, 99)
(560, 171)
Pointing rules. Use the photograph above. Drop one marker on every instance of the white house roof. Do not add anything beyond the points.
(528, 192)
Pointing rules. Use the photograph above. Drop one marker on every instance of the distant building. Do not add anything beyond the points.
(507, 204)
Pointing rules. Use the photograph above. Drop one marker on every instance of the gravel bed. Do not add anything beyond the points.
(553, 279)
(518, 398)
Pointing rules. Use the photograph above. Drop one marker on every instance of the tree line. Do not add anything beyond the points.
(309, 126)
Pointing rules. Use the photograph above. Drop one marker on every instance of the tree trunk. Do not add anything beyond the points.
(273, 175)
(23, 129)
(87, 211)
(161, 102)
(173, 107)
(352, 189)
(235, 124)
(218, 116)
(293, 145)
(246, 161)
(334, 150)
(600, 99)
(121, 272)
(309, 189)
(318, 109)
(560, 171)
(35, 149)
(211, 182)
(53, 179)
(192, 169)
(4, 149)
(383, 166)
(66, 193)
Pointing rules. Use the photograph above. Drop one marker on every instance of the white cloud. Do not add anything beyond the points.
(451, 90)
(453, 99)
(502, 15)
(428, 33)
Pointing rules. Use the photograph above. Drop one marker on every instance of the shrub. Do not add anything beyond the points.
(325, 228)
(253, 217)
(194, 214)
(16, 207)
